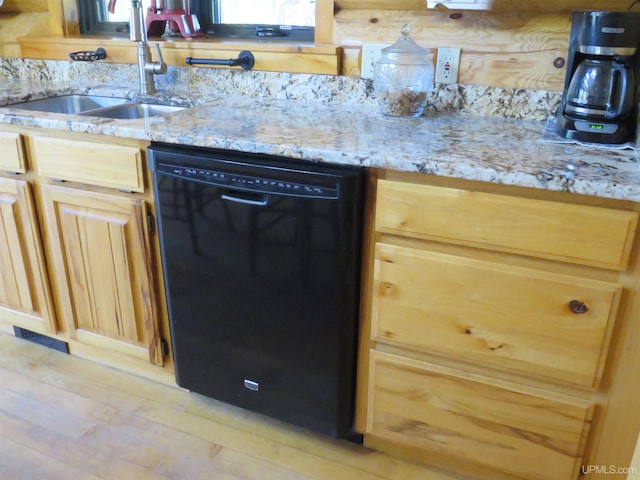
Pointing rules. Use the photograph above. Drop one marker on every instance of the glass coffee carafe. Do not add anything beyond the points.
(600, 89)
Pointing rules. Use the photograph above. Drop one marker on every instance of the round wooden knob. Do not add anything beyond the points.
(577, 306)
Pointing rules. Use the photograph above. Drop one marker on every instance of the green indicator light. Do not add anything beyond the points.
(595, 126)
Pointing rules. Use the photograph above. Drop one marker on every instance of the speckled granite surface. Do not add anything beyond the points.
(492, 135)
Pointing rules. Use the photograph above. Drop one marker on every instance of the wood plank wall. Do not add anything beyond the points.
(19, 18)
(24, 6)
(515, 44)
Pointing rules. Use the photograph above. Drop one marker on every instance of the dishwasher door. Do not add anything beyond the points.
(261, 266)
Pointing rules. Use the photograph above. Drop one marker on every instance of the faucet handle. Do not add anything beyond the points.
(159, 67)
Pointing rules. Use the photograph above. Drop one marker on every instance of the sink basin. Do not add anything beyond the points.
(129, 111)
(69, 103)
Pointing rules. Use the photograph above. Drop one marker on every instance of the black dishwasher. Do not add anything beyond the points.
(261, 258)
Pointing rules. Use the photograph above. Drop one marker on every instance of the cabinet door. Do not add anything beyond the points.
(581, 234)
(13, 156)
(24, 290)
(102, 270)
(496, 425)
(529, 321)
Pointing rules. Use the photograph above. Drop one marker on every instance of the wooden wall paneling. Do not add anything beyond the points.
(381, 4)
(557, 5)
(24, 6)
(63, 17)
(320, 61)
(324, 21)
(59, 49)
(281, 58)
(498, 5)
(504, 50)
(14, 26)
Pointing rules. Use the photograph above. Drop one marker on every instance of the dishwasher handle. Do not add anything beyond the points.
(260, 200)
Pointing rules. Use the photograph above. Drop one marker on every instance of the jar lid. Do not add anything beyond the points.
(405, 45)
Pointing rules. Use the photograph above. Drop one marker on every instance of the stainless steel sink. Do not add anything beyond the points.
(129, 111)
(69, 103)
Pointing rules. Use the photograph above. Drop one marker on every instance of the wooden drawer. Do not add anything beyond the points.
(572, 233)
(13, 157)
(510, 317)
(93, 163)
(528, 433)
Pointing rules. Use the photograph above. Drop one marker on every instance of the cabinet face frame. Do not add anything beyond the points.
(25, 298)
(101, 270)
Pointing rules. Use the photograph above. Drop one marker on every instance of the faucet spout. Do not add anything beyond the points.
(147, 68)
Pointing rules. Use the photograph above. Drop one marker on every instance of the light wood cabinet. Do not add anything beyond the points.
(13, 155)
(25, 298)
(78, 257)
(499, 425)
(490, 315)
(110, 165)
(101, 269)
(531, 321)
(582, 234)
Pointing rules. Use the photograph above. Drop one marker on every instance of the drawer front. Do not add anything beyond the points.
(526, 433)
(12, 148)
(105, 165)
(573, 233)
(513, 318)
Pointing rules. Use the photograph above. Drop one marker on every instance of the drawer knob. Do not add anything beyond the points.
(577, 306)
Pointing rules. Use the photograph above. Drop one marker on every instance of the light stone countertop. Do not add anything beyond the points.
(491, 149)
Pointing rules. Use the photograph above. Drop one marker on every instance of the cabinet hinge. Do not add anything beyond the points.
(164, 347)
(151, 223)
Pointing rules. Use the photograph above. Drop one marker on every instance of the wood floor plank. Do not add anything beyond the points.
(18, 462)
(123, 426)
(121, 434)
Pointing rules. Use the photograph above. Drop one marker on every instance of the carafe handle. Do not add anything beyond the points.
(624, 98)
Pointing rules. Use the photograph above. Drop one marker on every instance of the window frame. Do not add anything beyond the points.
(90, 24)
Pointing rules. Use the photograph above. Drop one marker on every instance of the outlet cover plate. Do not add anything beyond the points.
(447, 65)
(371, 52)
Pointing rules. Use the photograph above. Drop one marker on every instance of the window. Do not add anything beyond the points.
(272, 19)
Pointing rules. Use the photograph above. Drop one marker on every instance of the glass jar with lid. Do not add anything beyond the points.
(403, 77)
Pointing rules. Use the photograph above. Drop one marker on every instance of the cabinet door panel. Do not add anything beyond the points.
(24, 292)
(103, 164)
(13, 157)
(102, 267)
(560, 231)
(15, 291)
(514, 318)
(528, 433)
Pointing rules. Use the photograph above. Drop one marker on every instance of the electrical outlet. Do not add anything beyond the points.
(447, 65)
(371, 52)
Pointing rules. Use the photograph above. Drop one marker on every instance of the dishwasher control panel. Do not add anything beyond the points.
(258, 184)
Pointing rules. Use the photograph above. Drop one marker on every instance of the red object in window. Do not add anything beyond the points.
(158, 16)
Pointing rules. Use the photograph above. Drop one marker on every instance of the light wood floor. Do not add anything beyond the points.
(62, 417)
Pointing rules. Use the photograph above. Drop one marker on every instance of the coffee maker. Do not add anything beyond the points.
(601, 89)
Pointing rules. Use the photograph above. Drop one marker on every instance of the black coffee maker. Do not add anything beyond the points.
(601, 89)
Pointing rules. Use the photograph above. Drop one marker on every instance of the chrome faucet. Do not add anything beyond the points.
(147, 68)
